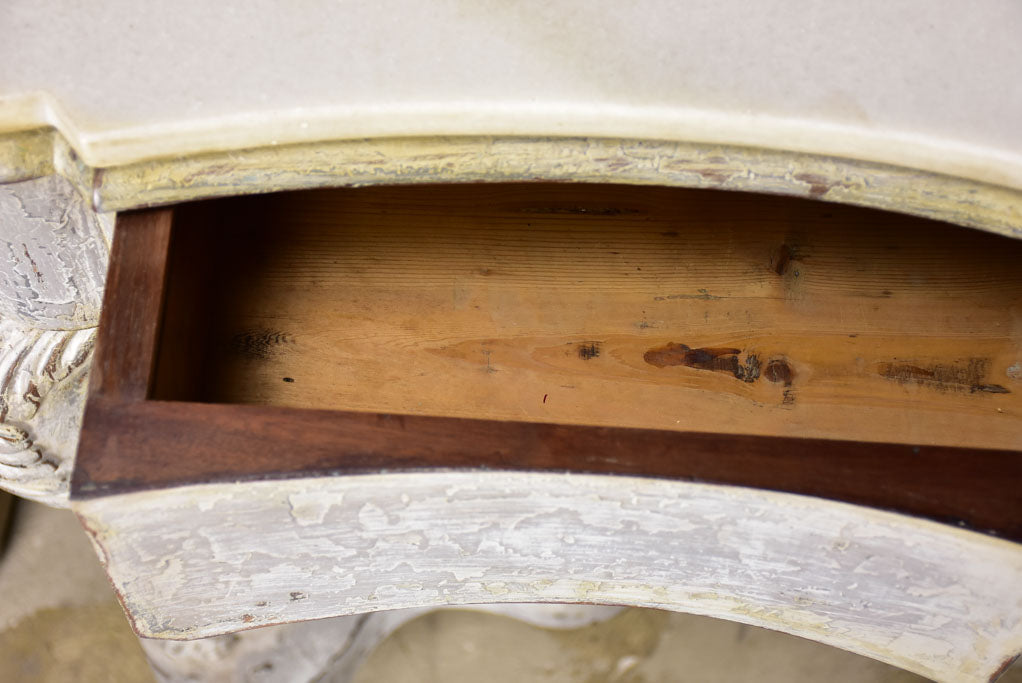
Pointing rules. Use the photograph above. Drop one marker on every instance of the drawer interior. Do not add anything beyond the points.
(598, 305)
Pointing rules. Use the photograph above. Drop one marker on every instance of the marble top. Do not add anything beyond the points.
(927, 84)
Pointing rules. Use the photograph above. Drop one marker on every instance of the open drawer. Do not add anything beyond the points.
(252, 347)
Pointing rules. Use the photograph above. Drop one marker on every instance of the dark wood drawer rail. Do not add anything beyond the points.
(738, 339)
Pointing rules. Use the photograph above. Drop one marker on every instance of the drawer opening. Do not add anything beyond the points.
(611, 305)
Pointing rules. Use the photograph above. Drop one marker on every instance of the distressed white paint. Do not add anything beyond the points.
(53, 257)
(858, 82)
(210, 559)
(563, 159)
(328, 649)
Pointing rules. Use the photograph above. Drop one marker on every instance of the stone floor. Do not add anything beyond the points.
(59, 622)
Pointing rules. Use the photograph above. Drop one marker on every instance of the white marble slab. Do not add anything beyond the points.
(926, 84)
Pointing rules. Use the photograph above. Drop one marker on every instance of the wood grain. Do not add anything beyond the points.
(610, 305)
(157, 444)
(126, 345)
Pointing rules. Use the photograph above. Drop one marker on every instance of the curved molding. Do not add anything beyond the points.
(203, 560)
(335, 163)
(55, 251)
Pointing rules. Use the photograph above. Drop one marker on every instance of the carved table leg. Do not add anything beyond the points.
(53, 260)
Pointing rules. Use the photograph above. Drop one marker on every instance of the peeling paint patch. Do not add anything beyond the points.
(309, 509)
(1014, 371)
(53, 258)
(818, 185)
(897, 588)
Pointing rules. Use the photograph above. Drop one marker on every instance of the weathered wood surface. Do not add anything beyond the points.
(354, 163)
(642, 307)
(460, 159)
(53, 257)
(201, 560)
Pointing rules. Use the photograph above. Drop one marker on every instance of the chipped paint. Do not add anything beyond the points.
(55, 252)
(927, 597)
(336, 163)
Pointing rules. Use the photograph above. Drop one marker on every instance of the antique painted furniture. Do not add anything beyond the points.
(580, 374)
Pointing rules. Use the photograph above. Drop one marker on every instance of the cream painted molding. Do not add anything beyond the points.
(911, 105)
(394, 161)
(203, 560)
(52, 270)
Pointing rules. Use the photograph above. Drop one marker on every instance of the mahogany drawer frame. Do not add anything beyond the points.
(130, 442)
